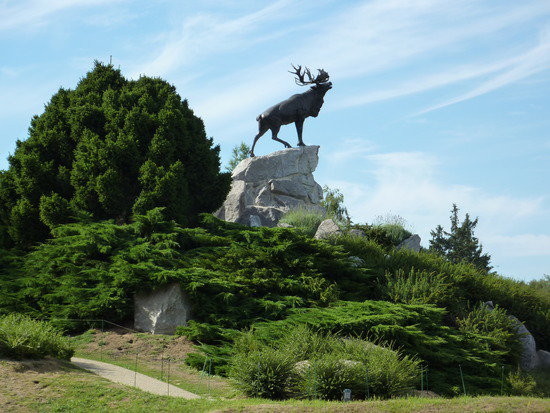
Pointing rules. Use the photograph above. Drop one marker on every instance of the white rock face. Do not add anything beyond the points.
(161, 311)
(265, 187)
(326, 229)
(411, 243)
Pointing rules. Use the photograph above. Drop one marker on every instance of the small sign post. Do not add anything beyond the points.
(347, 395)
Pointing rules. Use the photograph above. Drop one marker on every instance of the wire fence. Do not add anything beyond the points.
(168, 368)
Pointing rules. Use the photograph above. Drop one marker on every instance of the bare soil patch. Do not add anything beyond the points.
(159, 356)
(124, 343)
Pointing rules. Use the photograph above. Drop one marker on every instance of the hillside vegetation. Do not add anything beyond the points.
(109, 196)
(272, 278)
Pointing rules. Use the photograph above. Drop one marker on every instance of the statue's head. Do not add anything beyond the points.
(320, 83)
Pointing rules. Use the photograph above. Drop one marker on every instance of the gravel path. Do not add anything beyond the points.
(129, 377)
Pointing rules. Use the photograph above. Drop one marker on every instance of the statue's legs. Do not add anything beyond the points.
(263, 129)
(299, 128)
(274, 132)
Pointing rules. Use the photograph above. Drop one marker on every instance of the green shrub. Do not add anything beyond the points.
(302, 343)
(22, 337)
(330, 375)
(390, 373)
(417, 287)
(495, 324)
(521, 383)
(395, 232)
(265, 373)
(421, 333)
(324, 364)
(305, 220)
(204, 332)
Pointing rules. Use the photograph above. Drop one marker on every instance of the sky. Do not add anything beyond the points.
(434, 102)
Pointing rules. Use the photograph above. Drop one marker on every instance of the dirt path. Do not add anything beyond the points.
(129, 377)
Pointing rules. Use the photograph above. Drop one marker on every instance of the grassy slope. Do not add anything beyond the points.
(58, 386)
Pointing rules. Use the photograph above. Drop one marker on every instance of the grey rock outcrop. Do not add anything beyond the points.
(161, 311)
(263, 188)
(530, 358)
(326, 229)
(411, 243)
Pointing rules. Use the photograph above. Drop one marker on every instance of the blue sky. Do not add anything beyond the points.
(433, 101)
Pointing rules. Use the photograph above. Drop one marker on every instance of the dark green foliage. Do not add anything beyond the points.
(109, 148)
(469, 285)
(235, 275)
(22, 337)
(460, 244)
(386, 235)
(205, 333)
(418, 287)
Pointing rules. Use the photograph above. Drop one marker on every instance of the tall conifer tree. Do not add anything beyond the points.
(107, 149)
(460, 244)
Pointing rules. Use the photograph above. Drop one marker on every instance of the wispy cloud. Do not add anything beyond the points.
(532, 62)
(203, 35)
(350, 149)
(31, 13)
(361, 41)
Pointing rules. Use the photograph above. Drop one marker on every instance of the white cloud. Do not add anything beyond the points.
(522, 245)
(408, 184)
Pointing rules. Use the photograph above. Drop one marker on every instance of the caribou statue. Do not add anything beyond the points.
(296, 108)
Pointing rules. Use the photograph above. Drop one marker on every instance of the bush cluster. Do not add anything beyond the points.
(306, 364)
(22, 337)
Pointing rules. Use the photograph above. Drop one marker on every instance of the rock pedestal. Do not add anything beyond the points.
(161, 311)
(265, 187)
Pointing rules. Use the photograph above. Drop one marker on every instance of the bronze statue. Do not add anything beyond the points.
(296, 108)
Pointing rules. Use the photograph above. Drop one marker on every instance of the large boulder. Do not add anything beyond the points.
(412, 243)
(162, 310)
(263, 188)
(530, 358)
(327, 228)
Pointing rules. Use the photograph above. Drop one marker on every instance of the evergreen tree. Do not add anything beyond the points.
(460, 244)
(240, 152)
(108, 149)
(333, 202)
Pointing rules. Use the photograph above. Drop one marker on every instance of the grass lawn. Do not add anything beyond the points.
(51, 385)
